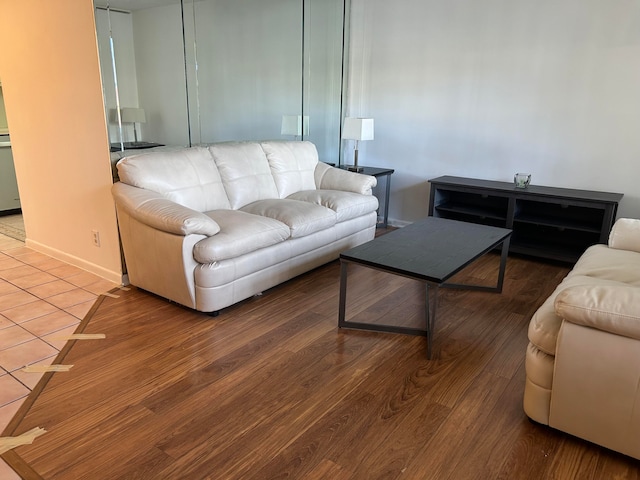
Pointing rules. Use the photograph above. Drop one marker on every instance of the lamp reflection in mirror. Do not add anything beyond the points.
(135, 116)
(358, 129)
(295, 125)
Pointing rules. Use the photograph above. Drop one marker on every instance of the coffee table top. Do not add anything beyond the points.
(433, 249)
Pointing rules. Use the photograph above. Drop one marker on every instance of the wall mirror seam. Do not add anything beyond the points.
(181, 73)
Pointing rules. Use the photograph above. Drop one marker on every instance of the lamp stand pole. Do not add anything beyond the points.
(355, 167)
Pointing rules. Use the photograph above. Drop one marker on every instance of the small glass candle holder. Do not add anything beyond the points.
(522, 180)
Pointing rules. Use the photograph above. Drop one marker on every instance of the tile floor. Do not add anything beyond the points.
(41, 298)
(12, 226)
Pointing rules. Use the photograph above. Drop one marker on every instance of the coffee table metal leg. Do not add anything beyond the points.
(430, 309)
(386, 202)
(499, 283)
(343, 293)
(503, 263)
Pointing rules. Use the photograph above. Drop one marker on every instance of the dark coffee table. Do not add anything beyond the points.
(431, 251)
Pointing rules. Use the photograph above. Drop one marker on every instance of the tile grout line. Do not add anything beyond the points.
(25, 262)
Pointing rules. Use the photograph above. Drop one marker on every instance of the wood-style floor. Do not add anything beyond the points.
(272, 389)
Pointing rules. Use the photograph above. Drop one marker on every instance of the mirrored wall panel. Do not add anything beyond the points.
(245, 67)
(179, 73)
(143, 75)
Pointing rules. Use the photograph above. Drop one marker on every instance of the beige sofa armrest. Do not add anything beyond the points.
(332, 178)
(625, 235)
(153, 209)
(611, 308)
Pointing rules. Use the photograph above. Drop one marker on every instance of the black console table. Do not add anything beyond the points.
(547, 222)
(116, 147)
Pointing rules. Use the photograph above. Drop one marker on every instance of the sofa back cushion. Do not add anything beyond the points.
(292, 164)
(188, 177)
(245, 172)
(625, 234)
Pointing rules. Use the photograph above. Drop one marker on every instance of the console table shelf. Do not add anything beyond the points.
(547, 222)
(472, 210)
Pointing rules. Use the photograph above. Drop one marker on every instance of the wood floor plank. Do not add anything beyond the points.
(461, 428)
(273, 389)
(309, 392)
(363, 416)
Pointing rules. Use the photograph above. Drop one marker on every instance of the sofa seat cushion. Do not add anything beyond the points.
(539, 367)
(293, 165)
(347, 205)
(240, 233)
(302, 218)
(600, 261)
(545, 323)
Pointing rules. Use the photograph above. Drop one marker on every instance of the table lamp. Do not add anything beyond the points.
(357, 129)
(133, 115)
(296, 125)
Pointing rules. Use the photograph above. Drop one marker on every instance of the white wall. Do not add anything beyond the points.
(52, 91)
(487, 88)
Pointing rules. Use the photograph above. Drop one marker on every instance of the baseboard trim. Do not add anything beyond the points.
(110, 275)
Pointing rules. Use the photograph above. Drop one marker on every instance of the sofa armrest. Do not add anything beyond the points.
(153, 209)
(625, 235)
(611, 308)
(332, 178)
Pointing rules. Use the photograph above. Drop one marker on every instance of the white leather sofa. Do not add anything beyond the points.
(583, 359)
(210, 226)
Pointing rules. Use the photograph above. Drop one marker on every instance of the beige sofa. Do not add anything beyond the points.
(209, 226)
(583, 359)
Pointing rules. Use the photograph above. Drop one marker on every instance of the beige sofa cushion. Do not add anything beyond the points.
(240, 233)
(152, 209)
(188, 177)
(611, 308)
(625, 234)
(301, 217)
(347, 205)
(293, 165)
(330, 178)
(600, 261)
(598, 266)
(545, 323)
(245, 172)
(539, 367)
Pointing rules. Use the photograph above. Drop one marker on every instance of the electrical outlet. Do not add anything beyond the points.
(96, 237)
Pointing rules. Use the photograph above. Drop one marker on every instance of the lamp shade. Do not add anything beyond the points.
(133, 115)
(295, 125)
(357, 129)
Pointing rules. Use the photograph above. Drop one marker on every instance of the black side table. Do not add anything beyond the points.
(379, 172)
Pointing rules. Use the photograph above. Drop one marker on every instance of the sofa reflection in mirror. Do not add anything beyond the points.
(210, 226)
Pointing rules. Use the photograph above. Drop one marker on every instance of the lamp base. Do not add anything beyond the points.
(355, 168)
